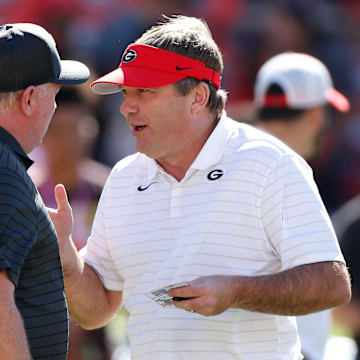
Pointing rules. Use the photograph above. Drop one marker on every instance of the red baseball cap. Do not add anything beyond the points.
(145, 66)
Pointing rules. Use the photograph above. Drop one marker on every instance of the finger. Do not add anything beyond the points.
(194, 304)
(185, 292)
(175, 298)
(185, 304)
(51, 212)
(61, 197)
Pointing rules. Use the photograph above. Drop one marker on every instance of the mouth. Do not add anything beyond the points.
(139, 127)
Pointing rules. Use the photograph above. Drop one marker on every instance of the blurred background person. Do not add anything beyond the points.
(292, 95)
(249, 32)
(66, 159)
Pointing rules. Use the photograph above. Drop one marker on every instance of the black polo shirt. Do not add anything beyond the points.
(30, 254)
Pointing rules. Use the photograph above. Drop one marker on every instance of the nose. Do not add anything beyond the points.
(129, 106)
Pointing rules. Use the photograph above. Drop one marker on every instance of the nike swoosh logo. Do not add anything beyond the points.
(141, 188)
(182, 68)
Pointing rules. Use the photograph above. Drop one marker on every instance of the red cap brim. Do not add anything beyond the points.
(134, 77)
(338, 100)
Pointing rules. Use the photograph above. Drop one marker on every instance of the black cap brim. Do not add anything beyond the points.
(72, 72)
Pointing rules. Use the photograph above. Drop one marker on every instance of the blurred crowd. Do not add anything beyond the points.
(248, 31)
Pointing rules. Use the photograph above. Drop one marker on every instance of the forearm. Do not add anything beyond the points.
(90, 304)
(298, 291)
(87, 299)
(13, 340)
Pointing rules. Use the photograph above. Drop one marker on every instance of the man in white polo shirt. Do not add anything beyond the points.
(223, 208)
(292, 93)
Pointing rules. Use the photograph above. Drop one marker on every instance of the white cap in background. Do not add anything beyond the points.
(305, 81)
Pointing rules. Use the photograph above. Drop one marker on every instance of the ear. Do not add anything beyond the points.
(201, 94)
(28, 101)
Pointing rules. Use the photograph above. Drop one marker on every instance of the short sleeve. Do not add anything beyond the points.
(294, 216)
(18, 215)
(96, 252)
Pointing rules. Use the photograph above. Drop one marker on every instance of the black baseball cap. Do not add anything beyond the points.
(28, 56)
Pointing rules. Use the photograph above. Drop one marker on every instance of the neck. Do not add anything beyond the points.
(17, 133)
(178, 165)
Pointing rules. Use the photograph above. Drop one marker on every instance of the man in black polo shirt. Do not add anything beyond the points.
(33, 309)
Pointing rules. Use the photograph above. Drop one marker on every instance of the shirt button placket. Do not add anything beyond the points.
(175, 201)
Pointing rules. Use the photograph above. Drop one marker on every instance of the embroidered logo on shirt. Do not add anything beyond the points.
(215, 174)
(142, 188)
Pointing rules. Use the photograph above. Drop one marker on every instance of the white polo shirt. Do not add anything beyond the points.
(248, 205)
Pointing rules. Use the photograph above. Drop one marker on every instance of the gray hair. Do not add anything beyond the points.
(7, 101)
(191, 37)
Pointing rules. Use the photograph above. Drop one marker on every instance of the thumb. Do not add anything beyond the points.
(61, 197)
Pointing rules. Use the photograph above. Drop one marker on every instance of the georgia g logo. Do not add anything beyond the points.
(215, 174)
(129, 56)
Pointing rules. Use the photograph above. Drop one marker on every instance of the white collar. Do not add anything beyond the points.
(214, 148)
(210, 153)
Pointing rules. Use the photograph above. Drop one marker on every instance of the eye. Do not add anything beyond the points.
(144, 91)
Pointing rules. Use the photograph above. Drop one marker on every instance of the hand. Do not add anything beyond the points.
(211, 295)
(62, 217)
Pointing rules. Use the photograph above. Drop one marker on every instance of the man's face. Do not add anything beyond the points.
(46, 105)
(161, 120)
